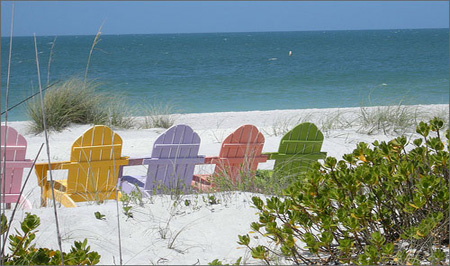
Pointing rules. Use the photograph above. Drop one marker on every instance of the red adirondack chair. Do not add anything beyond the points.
(11, 175)
(239, 156)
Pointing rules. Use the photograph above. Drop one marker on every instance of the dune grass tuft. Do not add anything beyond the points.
(75, 101)
(282, 125)
(335, 120)
(397, 118)
(158, 115)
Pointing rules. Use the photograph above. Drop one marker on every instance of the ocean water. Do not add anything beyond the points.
(217, 72)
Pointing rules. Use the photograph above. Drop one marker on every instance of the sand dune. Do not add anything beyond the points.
(161, 232)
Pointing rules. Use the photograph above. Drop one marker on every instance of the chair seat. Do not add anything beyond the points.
(60, 185)
(129, 183)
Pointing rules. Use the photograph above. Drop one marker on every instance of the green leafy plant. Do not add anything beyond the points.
(218, 262)
(131, 199)
(24, 252)
(211, 200)
(127, 211)
(384, 204)
(187, 202)
(99, 216)
(126, 207)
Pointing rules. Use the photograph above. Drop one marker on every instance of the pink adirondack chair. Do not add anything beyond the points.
(11, 175)
(239, 156)
(171, 165)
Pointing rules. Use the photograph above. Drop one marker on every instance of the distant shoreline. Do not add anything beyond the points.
(224, 32)
(278, 111)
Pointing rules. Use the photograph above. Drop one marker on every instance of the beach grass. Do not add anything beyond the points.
(335, 120)
(75, 101)
(158, 115)
(397, 118)
(267, 182)
(282, 125)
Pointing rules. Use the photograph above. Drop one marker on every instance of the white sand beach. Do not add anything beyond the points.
(162, 232)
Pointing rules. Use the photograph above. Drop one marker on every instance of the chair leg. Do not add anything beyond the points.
(43, 198)
(65, 200)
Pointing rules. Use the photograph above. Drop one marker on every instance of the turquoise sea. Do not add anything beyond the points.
(216, 72)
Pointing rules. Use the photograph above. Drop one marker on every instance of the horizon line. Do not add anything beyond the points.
(168, 33)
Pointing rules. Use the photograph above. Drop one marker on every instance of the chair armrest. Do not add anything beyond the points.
(262, 158)
(218, 160)
(300, 156)
(135, 161)
(23, 164)
(41, 170)
(131, 162)
(210, 159)
(277, 155)
(94, 164)
(270, 155)
(174, 161)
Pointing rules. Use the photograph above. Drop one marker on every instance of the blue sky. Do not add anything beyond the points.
(142, 17)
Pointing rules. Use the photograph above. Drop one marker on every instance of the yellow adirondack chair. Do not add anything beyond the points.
(91, 172)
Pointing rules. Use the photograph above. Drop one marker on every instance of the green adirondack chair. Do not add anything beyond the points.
(299, 148)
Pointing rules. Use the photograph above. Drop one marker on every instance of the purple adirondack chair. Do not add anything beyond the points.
(171, 165)
(11, 173)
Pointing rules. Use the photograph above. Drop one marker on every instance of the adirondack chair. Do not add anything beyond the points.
(11, 174)
(239, 155)
(91, 172)
(171, 165)
(299, 148)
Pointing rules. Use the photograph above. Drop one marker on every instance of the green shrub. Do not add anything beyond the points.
(77, 102)
(218, 262)
(24, 252)
(381, 205)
